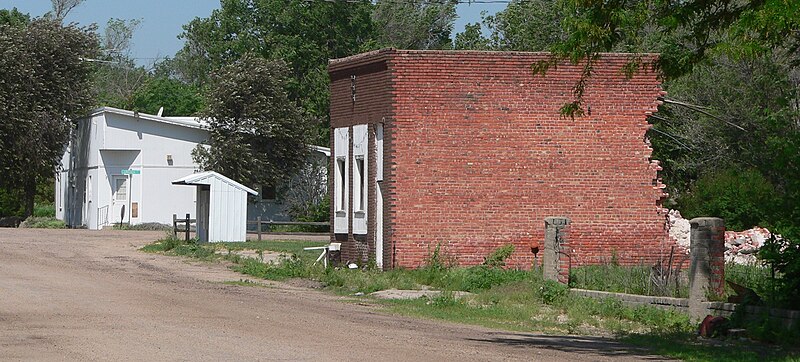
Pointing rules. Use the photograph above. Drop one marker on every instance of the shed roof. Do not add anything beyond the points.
(203, 178)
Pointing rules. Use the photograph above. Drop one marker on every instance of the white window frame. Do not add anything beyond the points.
(360, 178)
(341, 157)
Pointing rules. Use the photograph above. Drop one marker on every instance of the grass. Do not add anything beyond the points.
(507, 299)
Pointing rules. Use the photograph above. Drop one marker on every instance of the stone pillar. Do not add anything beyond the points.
(555, 261)
(334, 255)
(707, 269)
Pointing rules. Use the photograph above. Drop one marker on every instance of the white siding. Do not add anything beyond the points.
(227, 207)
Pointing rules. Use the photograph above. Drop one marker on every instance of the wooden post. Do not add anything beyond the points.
(187, 226)
(258, 226)
(174, 226)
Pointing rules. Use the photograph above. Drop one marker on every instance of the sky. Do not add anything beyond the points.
(161, 20)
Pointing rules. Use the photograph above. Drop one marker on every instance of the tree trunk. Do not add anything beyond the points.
(30, 195)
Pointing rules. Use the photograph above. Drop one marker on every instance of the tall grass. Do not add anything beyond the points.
(640, 280)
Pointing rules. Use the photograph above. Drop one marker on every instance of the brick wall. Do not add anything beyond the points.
(477, 155)
(372, 105)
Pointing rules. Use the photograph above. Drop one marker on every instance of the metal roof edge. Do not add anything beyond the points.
(195, 177)
(176, 121)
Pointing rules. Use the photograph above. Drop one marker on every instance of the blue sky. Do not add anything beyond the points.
(162, 19)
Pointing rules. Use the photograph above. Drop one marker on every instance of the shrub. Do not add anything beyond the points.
(498, 257)
(35, 222)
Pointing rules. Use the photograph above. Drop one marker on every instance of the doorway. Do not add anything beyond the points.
(119, 199)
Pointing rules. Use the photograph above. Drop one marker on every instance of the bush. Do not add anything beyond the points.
(35, 222)
(783, 255)
(742, 198)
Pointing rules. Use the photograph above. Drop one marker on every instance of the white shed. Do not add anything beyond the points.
(221, 206)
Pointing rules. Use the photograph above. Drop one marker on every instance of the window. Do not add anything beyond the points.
(359, 179)
(122, 189)
(268, 192)
(341, 184)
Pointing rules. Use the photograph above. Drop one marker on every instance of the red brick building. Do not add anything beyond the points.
(468, 150)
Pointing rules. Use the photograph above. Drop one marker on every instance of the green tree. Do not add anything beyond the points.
(686, 33)
(471, 39)
(527, 25)
(14, 17)
(177, 98)
(414, 24)
(45, 83)
(302, 34)
(257, 134)
(746, 118)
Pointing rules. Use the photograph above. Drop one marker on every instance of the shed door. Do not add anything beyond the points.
(119, 199)
(203, 201)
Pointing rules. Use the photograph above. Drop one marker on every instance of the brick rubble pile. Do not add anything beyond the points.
(740, 246)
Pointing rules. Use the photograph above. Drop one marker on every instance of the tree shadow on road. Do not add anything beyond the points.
(590, 345)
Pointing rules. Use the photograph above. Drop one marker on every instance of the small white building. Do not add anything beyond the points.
(120, 164)
(221, 206)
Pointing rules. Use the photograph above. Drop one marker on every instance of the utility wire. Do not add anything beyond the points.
(674, 138)
(700, 109)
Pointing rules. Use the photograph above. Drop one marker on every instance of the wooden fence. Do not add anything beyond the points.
(260, 223)
(184, 225)
(187, 225)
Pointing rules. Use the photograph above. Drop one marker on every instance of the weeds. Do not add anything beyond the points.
(508, 299)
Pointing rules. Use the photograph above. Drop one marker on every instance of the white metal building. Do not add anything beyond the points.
(221, 206)
(120, 164)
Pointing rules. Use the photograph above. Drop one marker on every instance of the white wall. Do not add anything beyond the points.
(115, 142)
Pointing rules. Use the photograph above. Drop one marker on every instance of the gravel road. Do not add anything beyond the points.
(91, 295)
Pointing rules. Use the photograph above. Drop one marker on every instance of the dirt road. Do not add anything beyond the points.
(89, 295)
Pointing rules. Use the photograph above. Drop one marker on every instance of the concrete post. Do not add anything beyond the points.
(707, 269)
(555, 263)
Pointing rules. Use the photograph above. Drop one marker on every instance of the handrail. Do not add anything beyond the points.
(102, 216)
